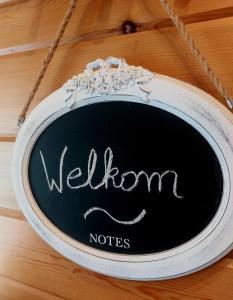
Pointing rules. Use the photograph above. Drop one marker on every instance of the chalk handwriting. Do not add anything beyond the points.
(111, 175)
(134, 221)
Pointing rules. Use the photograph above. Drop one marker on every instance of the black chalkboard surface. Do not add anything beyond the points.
(125, 177)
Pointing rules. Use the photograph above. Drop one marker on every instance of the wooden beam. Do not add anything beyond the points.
(111, 32)
(37, 21)
(6, 3)
(162, 51)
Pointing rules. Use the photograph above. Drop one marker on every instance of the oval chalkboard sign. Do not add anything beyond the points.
(128, 173)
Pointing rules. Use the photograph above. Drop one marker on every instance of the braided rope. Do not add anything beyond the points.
(47, 59)
(199, 57)
(176, 21)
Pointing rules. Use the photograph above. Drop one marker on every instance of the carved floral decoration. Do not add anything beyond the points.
(105, 77)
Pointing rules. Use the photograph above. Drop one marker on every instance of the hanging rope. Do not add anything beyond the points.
(200, 59)
(47, 59)
(176, 21)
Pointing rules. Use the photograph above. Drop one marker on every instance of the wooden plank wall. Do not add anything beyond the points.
(29, 268)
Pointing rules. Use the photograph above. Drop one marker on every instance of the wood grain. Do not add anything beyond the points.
(37, 21)
(99, 34)
(29, 268)
(7, 198)
(12, 213)
(15, 290)
(5, 3)
(27, 261)
(161, 51)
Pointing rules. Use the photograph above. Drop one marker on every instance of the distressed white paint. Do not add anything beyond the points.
(197, 108)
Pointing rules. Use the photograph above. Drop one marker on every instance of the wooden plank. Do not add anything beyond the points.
(12, 213)
(198, 6)
(5, 3)
(30, 269)
(8, 137)
(13, 290)
(7, 197)
(27, 260)
(162, 51)
(37, 21)
(110, 32)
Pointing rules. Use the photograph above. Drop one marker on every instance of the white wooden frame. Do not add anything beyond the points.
(189, 103)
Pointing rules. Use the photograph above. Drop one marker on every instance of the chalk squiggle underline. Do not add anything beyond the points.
(134, 221)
